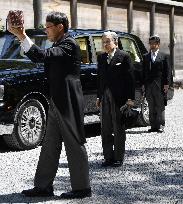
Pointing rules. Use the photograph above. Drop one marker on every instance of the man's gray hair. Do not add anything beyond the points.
(112, 34)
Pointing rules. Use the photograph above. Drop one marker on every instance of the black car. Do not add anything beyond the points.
(24, 98)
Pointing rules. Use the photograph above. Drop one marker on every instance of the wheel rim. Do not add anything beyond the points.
(31, 125)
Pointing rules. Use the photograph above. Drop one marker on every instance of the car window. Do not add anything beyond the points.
(98, 44)
(130, 47)
(127, 44)
(11, 48)
(83, 44)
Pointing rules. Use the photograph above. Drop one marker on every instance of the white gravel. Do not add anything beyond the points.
(152, 171)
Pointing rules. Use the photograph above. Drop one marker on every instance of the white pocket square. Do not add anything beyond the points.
(118, 63)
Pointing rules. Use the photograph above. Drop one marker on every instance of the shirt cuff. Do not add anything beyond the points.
(26, 44)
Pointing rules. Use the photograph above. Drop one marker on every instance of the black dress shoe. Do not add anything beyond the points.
(107, 163)
(160, 130)
(38, 192)
(77, 194)
(117, 163)
(155, 130)
(152, 130)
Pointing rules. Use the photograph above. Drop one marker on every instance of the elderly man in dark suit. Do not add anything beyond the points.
(65, 115)
(116, 87)
(156, 80)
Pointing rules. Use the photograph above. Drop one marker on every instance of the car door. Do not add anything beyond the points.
(130, 46)
(88, 72)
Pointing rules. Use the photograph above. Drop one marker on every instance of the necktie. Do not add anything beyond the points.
(109, 57)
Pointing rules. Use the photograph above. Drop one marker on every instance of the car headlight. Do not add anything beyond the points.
(1, 92)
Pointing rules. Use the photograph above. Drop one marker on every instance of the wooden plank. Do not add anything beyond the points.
(73, 12)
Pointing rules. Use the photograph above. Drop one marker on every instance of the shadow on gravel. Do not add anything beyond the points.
(148, 175)
(149, 180)
(92, 130)
(3, 146)
(18, 198)
(152, 175)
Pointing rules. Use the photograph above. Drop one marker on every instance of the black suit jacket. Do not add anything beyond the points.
(118, 76)
(158, 71)
(62, 66)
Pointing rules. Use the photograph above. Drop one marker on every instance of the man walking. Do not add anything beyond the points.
(156, 79)
(65, 115)
(116, 86)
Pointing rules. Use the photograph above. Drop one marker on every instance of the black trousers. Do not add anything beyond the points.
(112, 129)
(156, 105)
(56, 133)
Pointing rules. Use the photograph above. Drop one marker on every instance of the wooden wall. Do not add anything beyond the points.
(117, 18)
(55, 5)
(178, 42)
(162, 29)
(141, 26)
(26, 6)
(89, 16)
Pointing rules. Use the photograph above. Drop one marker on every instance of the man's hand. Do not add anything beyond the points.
(130, 103)
(98, 103)
(19, 32)
(165, 88)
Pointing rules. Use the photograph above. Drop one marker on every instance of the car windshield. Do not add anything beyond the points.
(11, 49)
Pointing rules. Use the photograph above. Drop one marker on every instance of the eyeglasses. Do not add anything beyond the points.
(47, 27)
(106, 42)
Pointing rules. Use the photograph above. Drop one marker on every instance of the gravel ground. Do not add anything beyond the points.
(152, 171)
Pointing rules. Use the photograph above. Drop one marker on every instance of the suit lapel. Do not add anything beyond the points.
(104, 61)
(158, 57)
(149, 61)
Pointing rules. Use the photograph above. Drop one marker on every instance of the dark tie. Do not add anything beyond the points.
(109, 57)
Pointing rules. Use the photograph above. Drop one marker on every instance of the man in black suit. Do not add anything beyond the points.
(156, 79)
(116, 87)
(65, 116)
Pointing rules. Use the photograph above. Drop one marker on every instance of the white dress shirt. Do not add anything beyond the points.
(110, 56)
(154, 55)
(26, 44)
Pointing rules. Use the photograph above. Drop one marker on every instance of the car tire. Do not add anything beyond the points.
(143, 119)
(29, 126)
